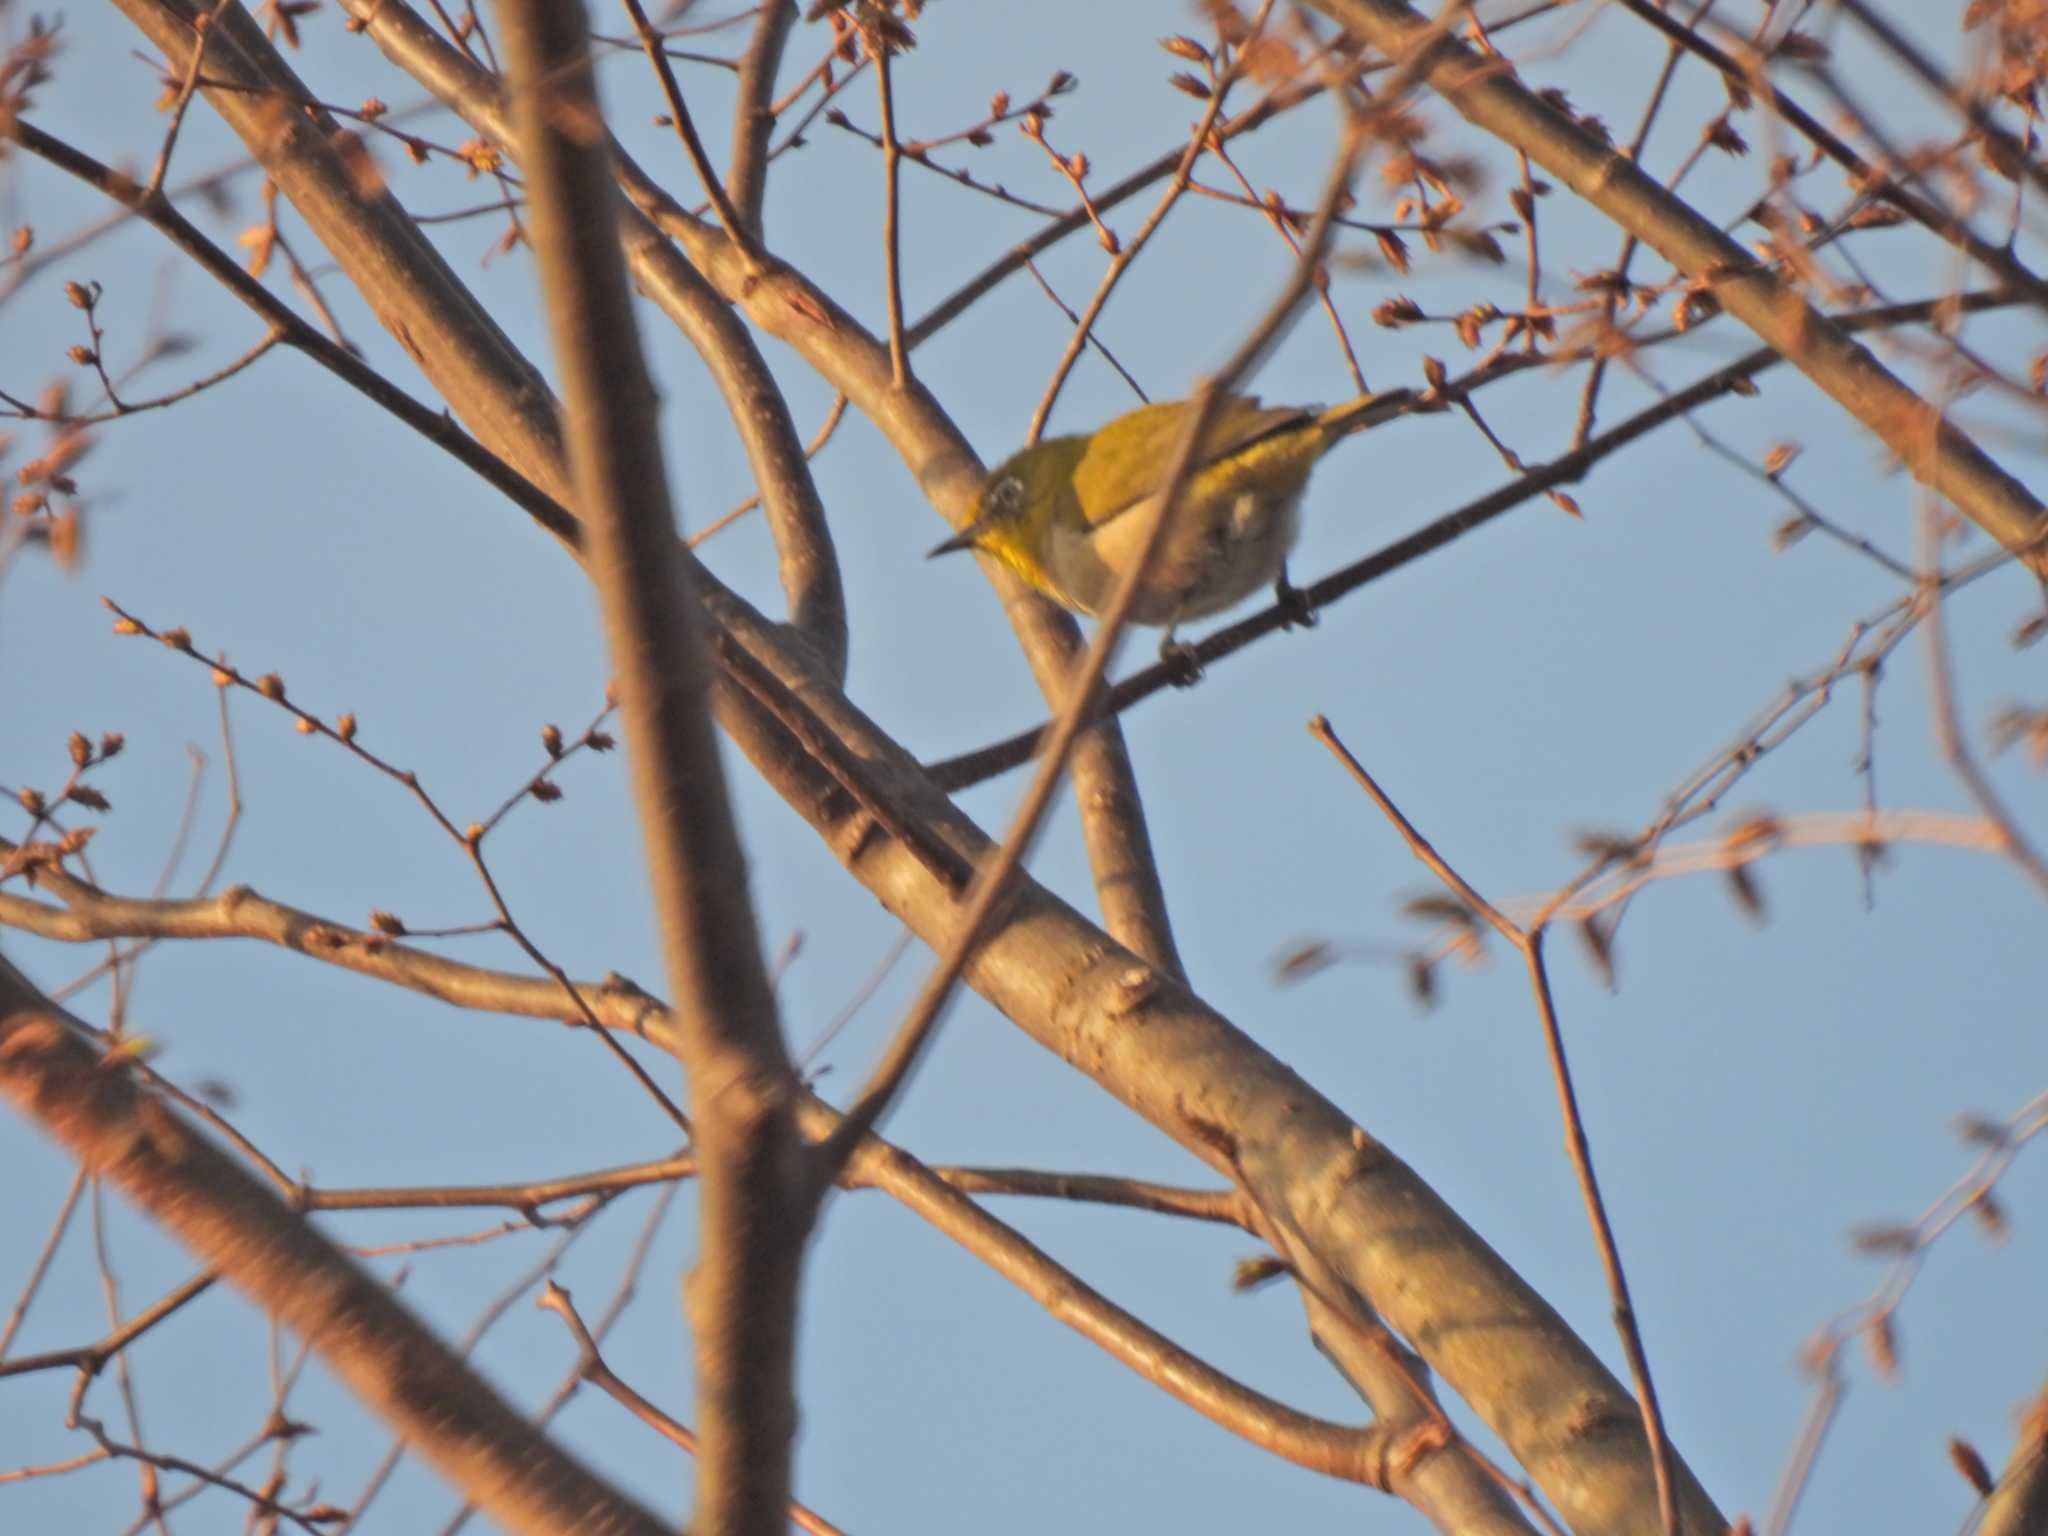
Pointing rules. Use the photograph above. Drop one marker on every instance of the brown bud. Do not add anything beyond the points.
(1422, 980)
(1722, 135)
(1892, 1239)
(1982, 1131)
(1971, 1465)
(1883, 1343)
(1748, 894)
(1990, 1215)
(1303, 960)
(1779, 459)
(1250, 1274)
(1599, 949)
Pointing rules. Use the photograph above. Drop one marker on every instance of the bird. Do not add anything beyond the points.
(1068, 515)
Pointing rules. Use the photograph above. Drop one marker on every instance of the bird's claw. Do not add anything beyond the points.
(1183, 667)
(1296, 611)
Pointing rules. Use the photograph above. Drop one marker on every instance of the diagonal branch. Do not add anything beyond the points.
(1932, 447)
(783, 304)
(941, 1196)
(1865, 176)
(379, 1350)
(1129, 1024)
(992, 881)
(969, 768)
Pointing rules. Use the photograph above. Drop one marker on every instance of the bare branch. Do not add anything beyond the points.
(752, 1215)
(238, 1228)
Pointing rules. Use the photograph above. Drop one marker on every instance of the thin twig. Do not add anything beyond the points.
(554, 1298)
(892, 250)
(998, 757)
(736, 227)
(992, 880)
(1121, 259)
(1948, 733)
(203, 26)
(1530, 943)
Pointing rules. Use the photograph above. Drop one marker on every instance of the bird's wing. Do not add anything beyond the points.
(1104, 482)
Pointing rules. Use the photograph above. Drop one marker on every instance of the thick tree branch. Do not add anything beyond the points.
(1487, 93)
(753, 1217)
(321, 168)
(378, 1349)
(1183, 1067)
(1139, 1034)
(2018, 1504)
(1862, 174)
(781, 303)
(939, 1195)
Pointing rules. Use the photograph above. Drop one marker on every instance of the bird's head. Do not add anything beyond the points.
(1022, 501)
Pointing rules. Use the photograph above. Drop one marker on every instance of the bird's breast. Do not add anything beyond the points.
(1221, 549)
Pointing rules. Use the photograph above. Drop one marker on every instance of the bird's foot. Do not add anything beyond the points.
(1296, 611)
(1183, 667)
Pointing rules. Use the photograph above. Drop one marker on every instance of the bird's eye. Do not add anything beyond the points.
(1006, 494)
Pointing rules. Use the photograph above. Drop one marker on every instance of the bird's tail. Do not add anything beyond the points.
(1366, 411)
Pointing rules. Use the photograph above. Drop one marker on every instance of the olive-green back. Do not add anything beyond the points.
(1126, 460)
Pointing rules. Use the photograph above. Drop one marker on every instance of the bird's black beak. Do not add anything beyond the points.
(964, 539)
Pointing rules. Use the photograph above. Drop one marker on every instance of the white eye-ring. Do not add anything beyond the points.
(1006, 494)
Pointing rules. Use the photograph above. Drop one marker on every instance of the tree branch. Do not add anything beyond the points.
(1931, 446)
(753, 1218)
(378, 1349)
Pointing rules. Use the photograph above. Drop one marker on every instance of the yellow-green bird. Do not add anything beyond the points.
(1070, 514)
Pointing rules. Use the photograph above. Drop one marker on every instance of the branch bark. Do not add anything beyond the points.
(753, 1216)
(1127, 1023)
(782, 304)
(393, 1363)
(1486, 92)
